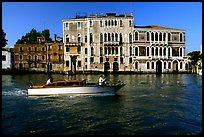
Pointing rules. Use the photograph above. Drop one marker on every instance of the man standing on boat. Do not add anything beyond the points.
(50, 79)
(101, 80)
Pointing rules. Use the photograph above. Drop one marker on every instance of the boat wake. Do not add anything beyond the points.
(15, 92)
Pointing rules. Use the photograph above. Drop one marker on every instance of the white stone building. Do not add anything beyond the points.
(113, 43)
(6, 58)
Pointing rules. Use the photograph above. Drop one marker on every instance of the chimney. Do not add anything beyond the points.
(55, 36)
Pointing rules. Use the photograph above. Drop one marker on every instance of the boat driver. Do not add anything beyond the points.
(49, 80)
(101, 80)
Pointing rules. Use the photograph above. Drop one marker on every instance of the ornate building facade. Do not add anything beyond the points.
(113, 43)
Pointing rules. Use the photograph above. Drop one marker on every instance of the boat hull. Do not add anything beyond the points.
(73, 90)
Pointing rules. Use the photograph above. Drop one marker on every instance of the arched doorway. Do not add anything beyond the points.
(115, 67)
(20, 66)
(106, 66)
(73, 64)
(175, 66)
(158, 67)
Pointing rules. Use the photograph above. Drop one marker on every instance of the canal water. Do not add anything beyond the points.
(167, 104)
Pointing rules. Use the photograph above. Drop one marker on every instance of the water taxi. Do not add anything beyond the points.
(73, 87)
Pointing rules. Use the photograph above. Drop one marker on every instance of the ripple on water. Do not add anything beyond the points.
(15, 92)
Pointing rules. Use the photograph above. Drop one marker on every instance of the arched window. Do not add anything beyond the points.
(156, 53)
(106, 50)
(147, 51)
(156, 36)
(113, 50)
(121, 51)
(109, 23)
(152, 65)
(101, 38)
(136, 36)
(101, 51)
(147, 65)
(109, 37)
(112, 22)
(92, 51)
(160, 36)
(160, 51)
(115, 23)
(152, 36)
(169, 37)
(130, 51)
(79, 38)
(105, 37)
(164, 37)
(136, 65)
(116, 37)
(147, 36)
(152, 51)
(67, 38)
(106, 23)
(169, 51)
(181, 37)
(109, 50)
(130, 38)
(112, 37)
(164, 51)
(181, 65)
(121, 38)
(169, 65)
(181, 52)
(164, 65)
(121, 23)
(116, 49)
(91, 37)
(136, 51)
(101, 23)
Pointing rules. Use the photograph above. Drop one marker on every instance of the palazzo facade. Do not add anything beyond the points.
(112, 43)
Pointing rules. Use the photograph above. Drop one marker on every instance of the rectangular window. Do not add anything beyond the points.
(115, 59)
(107, 59)
(29, 48)
(152, 65)
(121, 60)
(101, 59)
(92, 59)
(3, 58)
(85, 50)
(85, 39)
(49, 47)
(35, 49)
(79, 63)
(43, 48)
(59, 58)
(66, 26)
(79, 50)
(43, 57)
(169, 65)
(49, 57)
(21, 49)
(67, 63)
(59, 47)
(164, 65)
(67, 49)
(78, 25)
(20, 57)
(147, 65)
(130, 60)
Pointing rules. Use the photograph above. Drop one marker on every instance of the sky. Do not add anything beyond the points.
(18, 18)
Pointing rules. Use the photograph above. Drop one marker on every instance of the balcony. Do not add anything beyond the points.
(111, 43)
(73, 44)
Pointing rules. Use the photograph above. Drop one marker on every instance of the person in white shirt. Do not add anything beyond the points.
(49, 80)
(101, 80)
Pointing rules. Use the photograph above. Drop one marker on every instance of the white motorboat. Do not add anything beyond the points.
(73, 87)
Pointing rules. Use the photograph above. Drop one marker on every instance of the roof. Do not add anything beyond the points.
(158, 27)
